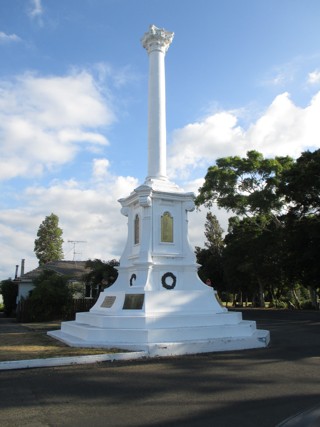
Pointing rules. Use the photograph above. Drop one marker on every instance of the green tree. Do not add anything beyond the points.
(301, 188)
(51, 297)
(210, 257)
(246, 186)
(252, 257)
(102, 274)
(214, 234)
(302, 240)
(48, 245)
(9, 291)
(275, 240)
(237, 264)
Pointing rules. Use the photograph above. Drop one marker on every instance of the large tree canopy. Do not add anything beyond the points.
(48, 245)
(246, 186)
(274, 240)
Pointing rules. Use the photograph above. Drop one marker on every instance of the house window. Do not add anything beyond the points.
(167, 228)
(136, 230)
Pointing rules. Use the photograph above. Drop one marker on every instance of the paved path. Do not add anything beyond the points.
(253, 388)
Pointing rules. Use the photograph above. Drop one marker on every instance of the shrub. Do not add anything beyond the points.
(9, 290)
(50, 298)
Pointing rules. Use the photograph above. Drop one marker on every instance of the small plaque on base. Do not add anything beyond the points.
(108, 302)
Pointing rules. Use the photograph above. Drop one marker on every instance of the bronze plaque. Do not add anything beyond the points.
(133, 302)
(108, 302)
(167, 228)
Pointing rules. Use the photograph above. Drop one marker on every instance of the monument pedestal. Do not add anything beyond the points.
(158, 303)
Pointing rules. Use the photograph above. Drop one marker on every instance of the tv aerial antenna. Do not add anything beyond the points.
(74, 243)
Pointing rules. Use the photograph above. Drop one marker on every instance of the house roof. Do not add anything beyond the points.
(72, 269)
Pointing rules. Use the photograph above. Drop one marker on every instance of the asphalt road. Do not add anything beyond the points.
(252, 388)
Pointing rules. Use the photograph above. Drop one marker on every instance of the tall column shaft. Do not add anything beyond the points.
(157, 42)
(157, 116)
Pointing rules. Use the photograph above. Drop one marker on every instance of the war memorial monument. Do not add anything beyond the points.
(158, 304)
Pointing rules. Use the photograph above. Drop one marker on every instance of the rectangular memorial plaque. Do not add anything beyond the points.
(133, 302)
(167, 228)
(108, 302)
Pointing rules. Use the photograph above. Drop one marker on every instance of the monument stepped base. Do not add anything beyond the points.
(259, 339)
(188, 328)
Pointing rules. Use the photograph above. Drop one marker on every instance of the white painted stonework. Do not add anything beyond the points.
(158, 303)
(157, 42)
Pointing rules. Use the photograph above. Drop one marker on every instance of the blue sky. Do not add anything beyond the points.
(240, 75)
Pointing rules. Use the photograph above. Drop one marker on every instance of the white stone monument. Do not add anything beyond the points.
(158, 303)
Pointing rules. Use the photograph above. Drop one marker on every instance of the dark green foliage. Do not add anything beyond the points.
(301, 188)
(48, 245)
(102, 273)
(210, 257)
(301, 184)
(303, 249)
(246, 186)
(9, 291)
(252, 257)
(214, 234)
(273, 244)
(50, 298)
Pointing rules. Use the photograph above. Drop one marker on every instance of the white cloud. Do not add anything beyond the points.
(314, 77)
(8, 38)
(282, 75)
(278, 79)
(35, 10)
(100, 169)
(197, 218)
(43, 120)
(283, 129)
(286, 129)
(280, 130)
(199, 144)
(86, 212)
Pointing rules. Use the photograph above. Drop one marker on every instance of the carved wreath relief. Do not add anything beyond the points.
(169, 280)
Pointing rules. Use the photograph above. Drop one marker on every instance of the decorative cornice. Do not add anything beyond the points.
(157, 39)
(145, 201)
(189, 205)
(125, 210)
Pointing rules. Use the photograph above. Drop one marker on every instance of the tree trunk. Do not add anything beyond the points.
(234, 299)
(295, 297)
(273, 298)
(261, 293)
(313, 297)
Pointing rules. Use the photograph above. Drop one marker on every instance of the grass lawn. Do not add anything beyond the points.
(30, 341)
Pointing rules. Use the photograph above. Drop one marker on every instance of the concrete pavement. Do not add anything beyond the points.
(252, 388)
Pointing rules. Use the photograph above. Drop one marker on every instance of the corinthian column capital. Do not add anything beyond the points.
(157, 39)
